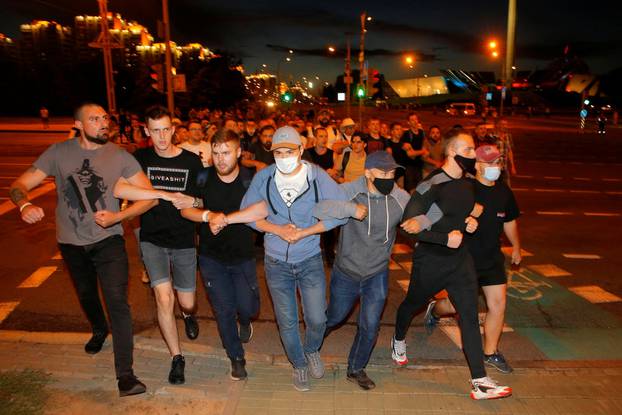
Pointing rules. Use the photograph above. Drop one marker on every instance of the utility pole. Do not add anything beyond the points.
(168, 60)
(361, 64)
(348, 77)
(106, 44)
(509, 52)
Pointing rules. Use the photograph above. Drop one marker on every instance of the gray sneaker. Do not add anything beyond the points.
(316, 367)
(497, 360)
(301, 379)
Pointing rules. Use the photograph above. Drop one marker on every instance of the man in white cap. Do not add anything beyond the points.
(293, 261)
(347, 128)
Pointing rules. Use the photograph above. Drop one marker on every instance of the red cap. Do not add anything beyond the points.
(487, 153)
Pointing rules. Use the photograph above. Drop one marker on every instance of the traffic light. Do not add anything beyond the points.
(287, 97)
(156, 73)
(375, 80)
(360, 92)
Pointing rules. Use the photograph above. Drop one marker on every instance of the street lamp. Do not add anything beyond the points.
(331, 49)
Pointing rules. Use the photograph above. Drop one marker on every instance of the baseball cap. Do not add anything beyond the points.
(286, 137)
(487, 153)
(381, 160)
(347, 122)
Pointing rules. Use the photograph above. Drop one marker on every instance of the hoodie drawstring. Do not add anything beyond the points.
(368, 215)
(386, 207)
(386, 204)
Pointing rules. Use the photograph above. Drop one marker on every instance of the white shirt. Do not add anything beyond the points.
(290, 187)
(203, 150)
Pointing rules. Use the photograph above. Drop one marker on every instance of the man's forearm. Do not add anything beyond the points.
(18, 194)
(313, 229)
(511, 231)
(267, 226)
(252, 213)
(137, 208)
(135, 193)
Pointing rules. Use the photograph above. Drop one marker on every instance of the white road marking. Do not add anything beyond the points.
(609, 179)
(576, 162)
(549, 270)
(404, 284)
(38, 277)
(57, 256)
(550, 190)
(406, 265)
(453, 331)
(541, 212)
(521, 189)
(7, 308)
(585, 179)
(604, 214)
(585, 191)
(519, 176)
(16, 164)
(595, 294)
(614, 193)
(582, 256)
(553, 177)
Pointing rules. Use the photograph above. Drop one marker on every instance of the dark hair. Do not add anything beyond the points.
(225, 136)
(266, 127)
(156, 112)
(77, 112)
(318, 129)
(410, 114)
(360, 135)
(393, 124)
(434, 126)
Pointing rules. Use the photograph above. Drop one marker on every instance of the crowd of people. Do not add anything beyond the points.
(308, 187)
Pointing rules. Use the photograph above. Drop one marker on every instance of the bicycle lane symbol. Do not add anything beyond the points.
(522, 287)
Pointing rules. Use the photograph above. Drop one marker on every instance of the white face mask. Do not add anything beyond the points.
(492, 173)
(286, 165)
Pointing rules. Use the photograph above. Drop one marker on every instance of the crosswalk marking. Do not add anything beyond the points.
(549, 270)
(553, 213)
(595, 294)
(582, 256)
(605, 214)
(38, 277)
(41, 190)
(404, 284)
(6, 309)
(611, 179)
(550, 190)
(553, 177)
(585, 191)
(453, 331)
(584, 179)
(394, 266)
(57, 256)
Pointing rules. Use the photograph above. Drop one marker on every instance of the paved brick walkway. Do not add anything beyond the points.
(84, 381)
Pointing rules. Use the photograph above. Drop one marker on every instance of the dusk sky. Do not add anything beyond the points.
(441, 34)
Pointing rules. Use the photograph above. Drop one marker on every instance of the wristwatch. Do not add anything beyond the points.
(196, 202)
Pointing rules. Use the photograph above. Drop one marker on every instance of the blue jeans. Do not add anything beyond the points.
(283, 279)
(344, 291)
(233, 292)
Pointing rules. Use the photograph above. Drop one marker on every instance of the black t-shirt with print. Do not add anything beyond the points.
(234, 243)
(163, 225)
(499, 207)
(325, 160)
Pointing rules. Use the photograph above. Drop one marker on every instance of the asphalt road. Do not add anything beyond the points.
(569, 189)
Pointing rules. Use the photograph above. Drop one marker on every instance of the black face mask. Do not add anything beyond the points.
(384, 186)
(466, 164)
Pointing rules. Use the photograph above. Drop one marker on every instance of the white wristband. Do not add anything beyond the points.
(204, 217)
(22, 207)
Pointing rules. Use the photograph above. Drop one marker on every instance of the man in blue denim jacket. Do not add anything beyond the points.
(293, 260)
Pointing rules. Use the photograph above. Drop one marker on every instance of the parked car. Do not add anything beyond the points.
(462, 109)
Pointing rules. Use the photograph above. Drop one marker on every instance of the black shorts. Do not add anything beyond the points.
(493, 275)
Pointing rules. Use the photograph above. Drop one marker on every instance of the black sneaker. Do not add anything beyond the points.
(95, 344)
(238, 369)
(176, 375)
(497, 361)
(130, 385)
(246, 332)
(361, 379)
(192, 326)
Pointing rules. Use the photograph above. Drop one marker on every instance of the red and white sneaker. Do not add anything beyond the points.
(398, 351)
(486, 388)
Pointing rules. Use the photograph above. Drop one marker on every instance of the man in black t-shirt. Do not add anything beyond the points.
(166, 238)
(500, 212)
(413, 145)
(226, 253)
(260, 150)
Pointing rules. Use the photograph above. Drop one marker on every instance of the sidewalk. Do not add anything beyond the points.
(84, 383)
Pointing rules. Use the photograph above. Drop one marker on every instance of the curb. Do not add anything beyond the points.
(193, 349)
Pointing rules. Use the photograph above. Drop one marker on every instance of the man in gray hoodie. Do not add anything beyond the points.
(361, 268)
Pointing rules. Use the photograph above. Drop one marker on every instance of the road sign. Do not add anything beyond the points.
(179, 83)
(583, 113)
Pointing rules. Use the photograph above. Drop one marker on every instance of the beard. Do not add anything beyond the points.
(225, 170)
(98, 139)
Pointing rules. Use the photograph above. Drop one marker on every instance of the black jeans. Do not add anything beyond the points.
(456, 274)
(107, 261)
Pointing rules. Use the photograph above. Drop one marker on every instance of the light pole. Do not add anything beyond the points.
(168, 59)
(278, 71)
(364, 18)
(509, 48)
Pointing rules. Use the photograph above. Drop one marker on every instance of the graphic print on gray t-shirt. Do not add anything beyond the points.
(86, 190)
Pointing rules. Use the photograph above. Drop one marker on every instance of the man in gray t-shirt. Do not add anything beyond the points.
(90, 175)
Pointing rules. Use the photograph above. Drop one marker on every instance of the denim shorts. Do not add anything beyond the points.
(161, 261)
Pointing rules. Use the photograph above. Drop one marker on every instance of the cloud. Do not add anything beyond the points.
(340, 53)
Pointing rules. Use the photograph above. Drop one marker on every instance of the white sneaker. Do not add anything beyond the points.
(398, 351)
(486, 388)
